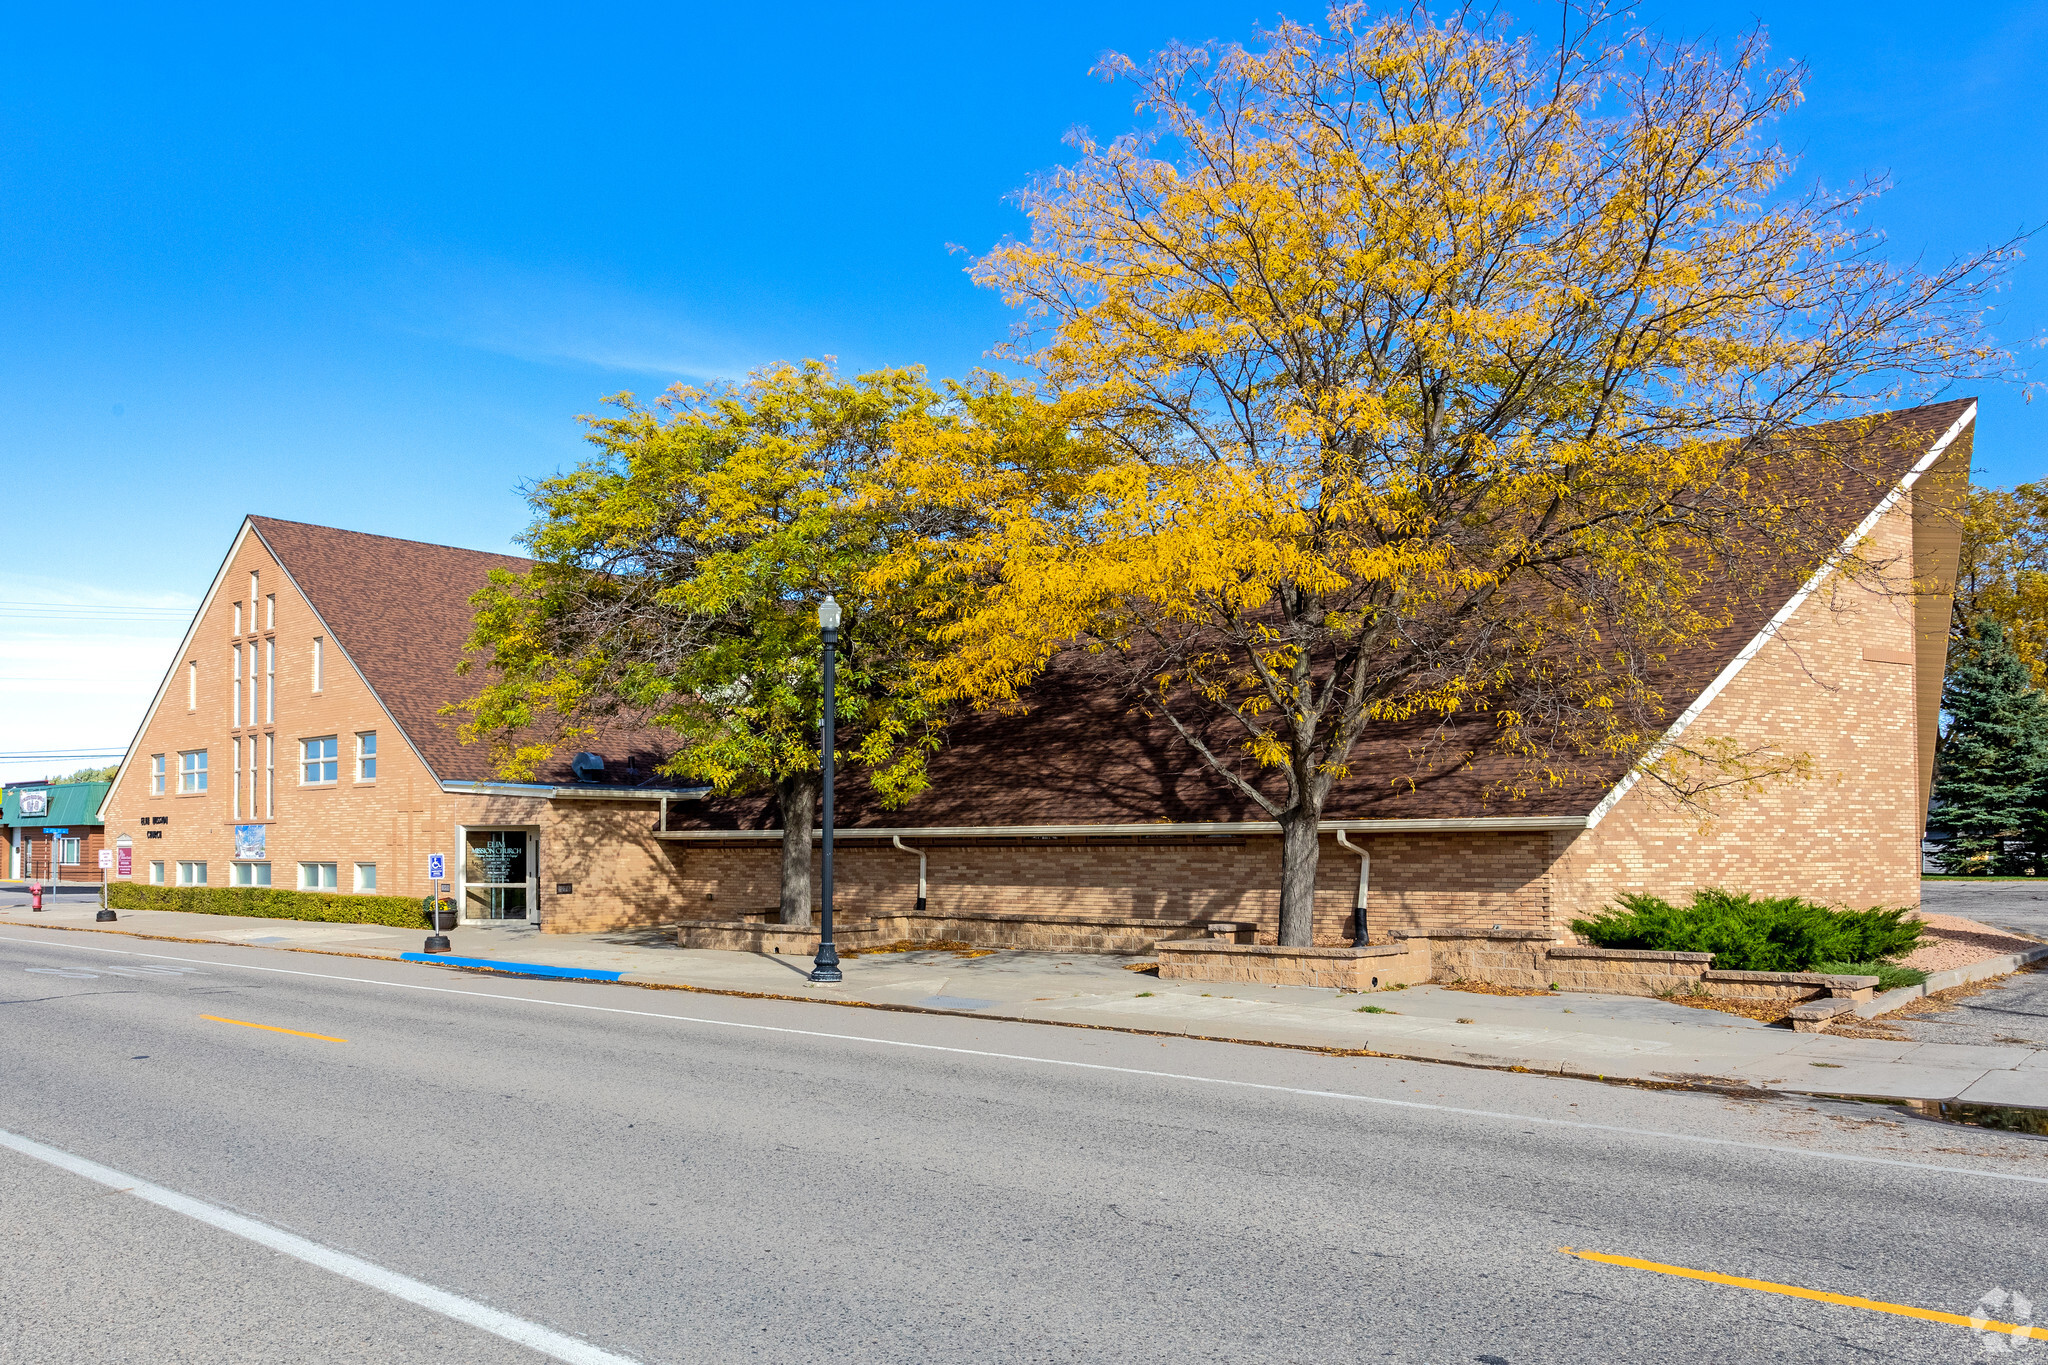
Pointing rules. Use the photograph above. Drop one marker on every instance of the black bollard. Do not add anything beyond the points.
(436, 943)
(106, 917)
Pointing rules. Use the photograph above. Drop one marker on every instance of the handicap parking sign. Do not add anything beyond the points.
(436, 867)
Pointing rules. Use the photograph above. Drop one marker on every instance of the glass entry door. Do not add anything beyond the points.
(496, 874)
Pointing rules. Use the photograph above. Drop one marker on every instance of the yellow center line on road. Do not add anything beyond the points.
(1818, 1295)
(272, 1028)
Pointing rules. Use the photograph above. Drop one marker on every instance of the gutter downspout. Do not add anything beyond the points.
(898, 841)
(1358, 936)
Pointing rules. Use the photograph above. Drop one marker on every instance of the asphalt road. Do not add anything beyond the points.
(671, 1176)
(2007, 904)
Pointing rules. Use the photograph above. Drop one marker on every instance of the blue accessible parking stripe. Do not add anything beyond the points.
(522, 968)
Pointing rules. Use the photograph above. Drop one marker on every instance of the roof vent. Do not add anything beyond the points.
(588, 767)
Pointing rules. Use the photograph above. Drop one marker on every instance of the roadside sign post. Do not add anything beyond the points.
(437, 942)
(106, 865)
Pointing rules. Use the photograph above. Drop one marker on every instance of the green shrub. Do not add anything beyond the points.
(266, 902)
(1752, 933)
(1890, 976)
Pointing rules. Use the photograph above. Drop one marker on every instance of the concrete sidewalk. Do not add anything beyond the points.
(1610, 1037)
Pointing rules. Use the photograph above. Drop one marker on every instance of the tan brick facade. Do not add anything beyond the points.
(391, 822)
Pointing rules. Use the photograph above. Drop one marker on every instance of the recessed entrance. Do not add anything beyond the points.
(497, 874)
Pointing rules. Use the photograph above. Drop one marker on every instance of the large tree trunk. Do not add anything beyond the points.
(1300, 848)
(799, 800)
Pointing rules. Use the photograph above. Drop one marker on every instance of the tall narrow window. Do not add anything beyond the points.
(366, 756)
(317, 643)
(270, 612)
(156, 774)
(269, 681)
(235, 687)
(238, 619)
(235, 787)
(252, 594)
(253, 806)
(269, 774)
(192, 684)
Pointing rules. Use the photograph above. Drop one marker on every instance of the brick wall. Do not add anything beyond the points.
(1839, 683)
(624, 876)
(92, 838)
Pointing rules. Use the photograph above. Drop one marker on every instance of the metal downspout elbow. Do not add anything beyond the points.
(1358, 935)
(897, 840)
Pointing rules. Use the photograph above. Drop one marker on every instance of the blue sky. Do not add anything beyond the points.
(365, 268)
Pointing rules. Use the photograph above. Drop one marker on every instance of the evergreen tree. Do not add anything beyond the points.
(1992, 769)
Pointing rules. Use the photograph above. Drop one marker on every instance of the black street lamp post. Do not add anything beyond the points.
(827, 966)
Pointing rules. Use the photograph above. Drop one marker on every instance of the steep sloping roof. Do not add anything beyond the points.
(399, 609)
(1083, 754)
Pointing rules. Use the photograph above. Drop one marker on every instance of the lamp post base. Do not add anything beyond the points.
(826, 972)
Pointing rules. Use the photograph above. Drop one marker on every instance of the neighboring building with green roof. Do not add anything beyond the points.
(53, 831)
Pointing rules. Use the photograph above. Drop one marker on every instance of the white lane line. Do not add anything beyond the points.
(529, 1334)
(1579, 1125)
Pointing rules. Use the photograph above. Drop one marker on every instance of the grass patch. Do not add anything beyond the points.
(1372, 1009)
(1890, 975)
(1754, 933)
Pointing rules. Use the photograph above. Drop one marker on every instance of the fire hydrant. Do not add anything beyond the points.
(35, 895)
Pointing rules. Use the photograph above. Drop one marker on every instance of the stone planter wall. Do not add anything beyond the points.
(1354, 969)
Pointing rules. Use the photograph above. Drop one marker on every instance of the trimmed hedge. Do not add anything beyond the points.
(1752, 933)
(266, 902)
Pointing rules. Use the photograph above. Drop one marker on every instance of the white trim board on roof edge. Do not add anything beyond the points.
(1778, 622)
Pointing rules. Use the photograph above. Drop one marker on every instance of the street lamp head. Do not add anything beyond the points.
(828, 614)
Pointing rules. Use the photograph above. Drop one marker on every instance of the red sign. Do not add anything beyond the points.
(124, 861)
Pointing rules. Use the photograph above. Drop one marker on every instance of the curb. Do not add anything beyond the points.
(1954, 976)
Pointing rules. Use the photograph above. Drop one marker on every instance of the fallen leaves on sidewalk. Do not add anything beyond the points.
(1486, 988)
(1769, 1011)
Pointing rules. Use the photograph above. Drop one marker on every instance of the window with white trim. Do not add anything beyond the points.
(156, 774)
(318, 663)
(192, 770)
(252, 874)
(319, 760)
(192, 684)
(235, 688)
(252, 591)
(156, 873)
(238, 618)
(366, 876)
(191, 874)
(366, 756)
(235, 786)
(316, 876)
(70, 852)
(270, 612)
(269, 682)
(269, 775)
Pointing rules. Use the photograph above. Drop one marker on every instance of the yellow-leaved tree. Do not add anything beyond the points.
(1407, 368)
(2003, 570)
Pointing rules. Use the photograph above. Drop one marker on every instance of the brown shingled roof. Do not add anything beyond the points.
(1083, 755)
(400, 610)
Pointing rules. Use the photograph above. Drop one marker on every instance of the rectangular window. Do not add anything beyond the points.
(252, 874)
(156, 774)
(235, 687)
(366, 876)
(269, 774)
(238, 618)
(317, 669)
(270, 612)
(191, 874)
(192, 684)
(316, 876)
(269, 682)
(192, 771)
(156, 874)
(366, 756)
(319, 756)
(69, 851)
(235, 786)
(252, 591)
